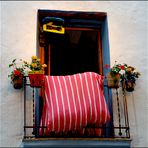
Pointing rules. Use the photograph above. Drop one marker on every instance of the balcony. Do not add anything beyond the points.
(116, 133)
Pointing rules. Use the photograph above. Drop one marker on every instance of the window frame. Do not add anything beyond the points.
(104, 39)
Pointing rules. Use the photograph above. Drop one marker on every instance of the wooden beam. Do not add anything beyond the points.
(100, 54)
(72, 14)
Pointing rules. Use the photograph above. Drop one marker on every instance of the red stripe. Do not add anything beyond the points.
(87, 78)
(48, 97)
(102, 103)
(68, 110)
(73, 116)
(84, 110)
(99, 103)
(78, 103)
(105, 113)
(55, 105)
(93, 104)
(63, 105)
(60, 105)
(86, 98)
(94, 98)
(97, 98)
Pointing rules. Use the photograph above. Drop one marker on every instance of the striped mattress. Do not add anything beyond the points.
(72, 102)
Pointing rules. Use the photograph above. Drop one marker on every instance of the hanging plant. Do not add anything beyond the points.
(17, 73)
(129, 78)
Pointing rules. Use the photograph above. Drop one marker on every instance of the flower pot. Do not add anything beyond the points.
(129, 85)
(36, 80)
(18, 82)
(113, 80)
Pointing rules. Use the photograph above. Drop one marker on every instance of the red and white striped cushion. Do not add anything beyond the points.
(73, 102)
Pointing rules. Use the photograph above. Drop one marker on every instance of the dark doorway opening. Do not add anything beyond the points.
(74, 52)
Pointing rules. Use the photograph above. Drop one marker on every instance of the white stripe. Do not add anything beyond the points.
(47, 112)
(83, 99)
(99, 102)
(100, 80)
(50, 97)
(106, 111)
(79, 101)
(67, 101)
(62, 104)
(88, 96)
(94, 98)
(73, 101)
(56, 103)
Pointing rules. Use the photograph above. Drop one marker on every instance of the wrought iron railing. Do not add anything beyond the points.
(118, 127)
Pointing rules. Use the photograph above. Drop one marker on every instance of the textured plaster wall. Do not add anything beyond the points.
(127, 23)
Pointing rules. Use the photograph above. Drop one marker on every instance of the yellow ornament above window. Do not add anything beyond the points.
(53, 24)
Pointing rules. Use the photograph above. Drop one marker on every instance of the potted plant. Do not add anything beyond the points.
(113, 77)
(129, 77)
(123, 73)
(36, 72)
(16, 74)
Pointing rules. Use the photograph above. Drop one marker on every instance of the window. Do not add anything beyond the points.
(83, 47)
(79, 49)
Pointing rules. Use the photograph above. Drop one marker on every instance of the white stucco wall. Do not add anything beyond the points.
(128, 38)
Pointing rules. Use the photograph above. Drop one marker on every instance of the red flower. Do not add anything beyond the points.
(106, 66)
(122, 67)
(17, 72)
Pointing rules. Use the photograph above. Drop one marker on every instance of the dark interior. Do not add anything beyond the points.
(75, 51)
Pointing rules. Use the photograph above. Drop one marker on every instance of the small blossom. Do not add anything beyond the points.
(129, 69)
(44, 65)
(106, 66)
(17, 72)
(34, 57)
(122, 67)
(122, 72)
(34, 65)
(132, 68)
(38, 60)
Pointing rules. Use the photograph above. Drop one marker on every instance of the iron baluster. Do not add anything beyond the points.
(125, 109)
(24, 106)
(33, 109)
(119, 116)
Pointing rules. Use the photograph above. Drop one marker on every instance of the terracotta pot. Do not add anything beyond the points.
(129, 85)
(18, 83)
(36, 80)
(113, 80)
